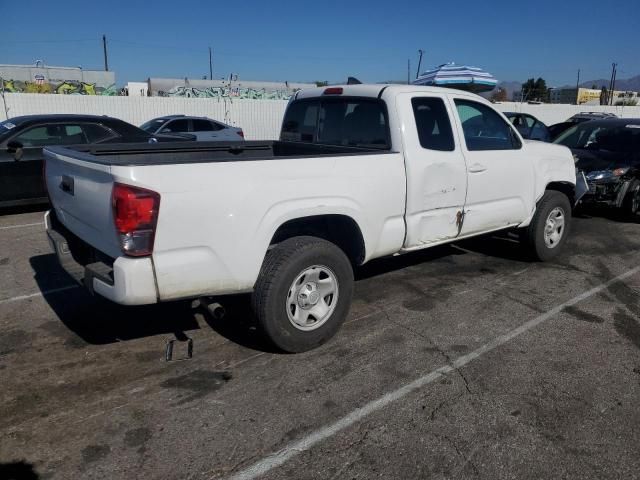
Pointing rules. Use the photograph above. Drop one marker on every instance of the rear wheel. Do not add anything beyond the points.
(303, 293)
(547, 232)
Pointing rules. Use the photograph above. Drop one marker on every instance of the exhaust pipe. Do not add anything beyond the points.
(216, 310)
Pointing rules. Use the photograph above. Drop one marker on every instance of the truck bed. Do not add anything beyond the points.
(144, 154)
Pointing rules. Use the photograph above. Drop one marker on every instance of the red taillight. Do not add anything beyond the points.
(332, 91)
(241, 133)
(135, 214)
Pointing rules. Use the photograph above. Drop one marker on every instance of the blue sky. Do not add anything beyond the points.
(307, 41)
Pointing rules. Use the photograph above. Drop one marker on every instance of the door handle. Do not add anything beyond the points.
(477, 168)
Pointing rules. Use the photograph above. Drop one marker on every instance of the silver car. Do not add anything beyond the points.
(205, 129)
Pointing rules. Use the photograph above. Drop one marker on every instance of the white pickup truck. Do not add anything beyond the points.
(360, 172)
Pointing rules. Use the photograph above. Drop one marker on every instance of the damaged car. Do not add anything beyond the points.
(608, 153)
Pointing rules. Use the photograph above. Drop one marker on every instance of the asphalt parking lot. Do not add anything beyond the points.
(464, 361)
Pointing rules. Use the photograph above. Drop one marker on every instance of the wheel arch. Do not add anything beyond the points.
(341, 230)
(566, 188)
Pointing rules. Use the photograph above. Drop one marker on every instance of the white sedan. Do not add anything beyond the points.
(205, 129)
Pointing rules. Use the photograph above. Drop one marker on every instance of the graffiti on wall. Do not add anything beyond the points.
(227, 92)
(67, 87)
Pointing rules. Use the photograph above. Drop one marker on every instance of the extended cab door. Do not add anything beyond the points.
(436, 170)
(500, 188)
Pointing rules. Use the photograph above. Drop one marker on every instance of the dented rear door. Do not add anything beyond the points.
(436, 170)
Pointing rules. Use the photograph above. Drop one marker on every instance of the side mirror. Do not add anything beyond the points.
(15, 148)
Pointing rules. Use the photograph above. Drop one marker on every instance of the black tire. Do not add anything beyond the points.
(282, 265)
(533, 236)
(631, 202)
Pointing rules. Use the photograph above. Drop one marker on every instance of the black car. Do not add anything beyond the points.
(558, 129)
(22, 140)
(529, 126)
(608, 152)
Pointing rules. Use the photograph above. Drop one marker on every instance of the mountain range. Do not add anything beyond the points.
(629, 84)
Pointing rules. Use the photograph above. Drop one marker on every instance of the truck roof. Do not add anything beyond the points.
(375, 90)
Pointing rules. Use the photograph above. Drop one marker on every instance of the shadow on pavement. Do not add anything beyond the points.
(504, 245)
(41, 207)
(98, 321)
(18, 471)
(380, 266)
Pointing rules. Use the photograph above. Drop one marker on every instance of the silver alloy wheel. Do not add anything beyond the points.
(554, 227)
(312, 298)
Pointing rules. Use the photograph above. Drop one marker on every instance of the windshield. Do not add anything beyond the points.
(5, 128)
(596, 136)
(152, 126)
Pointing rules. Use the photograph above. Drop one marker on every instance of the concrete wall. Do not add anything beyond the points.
(260, 119)
(556, 113)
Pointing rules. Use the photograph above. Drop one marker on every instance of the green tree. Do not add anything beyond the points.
(321, 84)
(535, 90)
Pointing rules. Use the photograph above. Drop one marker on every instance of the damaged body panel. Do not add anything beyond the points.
(608, 153)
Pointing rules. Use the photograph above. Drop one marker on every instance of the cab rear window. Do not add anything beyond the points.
(348, 121)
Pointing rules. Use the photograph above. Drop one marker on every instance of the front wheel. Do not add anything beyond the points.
(549, 227)
(303, 293)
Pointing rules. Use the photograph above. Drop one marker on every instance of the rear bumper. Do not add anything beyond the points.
(124, 280)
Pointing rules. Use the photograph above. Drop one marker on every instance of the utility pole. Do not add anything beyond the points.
(408, 71)
(610, 93)
(104, 49)
(613, 85)
(578, 87)
(420, 52)
(210, 64)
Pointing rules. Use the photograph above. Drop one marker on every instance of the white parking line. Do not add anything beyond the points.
(9, 227)
(37, 294)
(278, 458)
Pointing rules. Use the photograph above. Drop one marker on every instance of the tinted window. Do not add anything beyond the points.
(483, 128)
(337, 121)
(432, 122)
(55, 134)
(516, 121)
(153, 125)
(301, 122)
(530, 120)
(539, 132)
(596, 136)
(202, 126)
(176, 126)
(96, 133)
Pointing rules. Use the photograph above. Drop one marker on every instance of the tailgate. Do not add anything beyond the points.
(80, 192)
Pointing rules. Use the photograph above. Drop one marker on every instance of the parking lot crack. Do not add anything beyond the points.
(445, 403)
(442, 352)
(466, 458)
